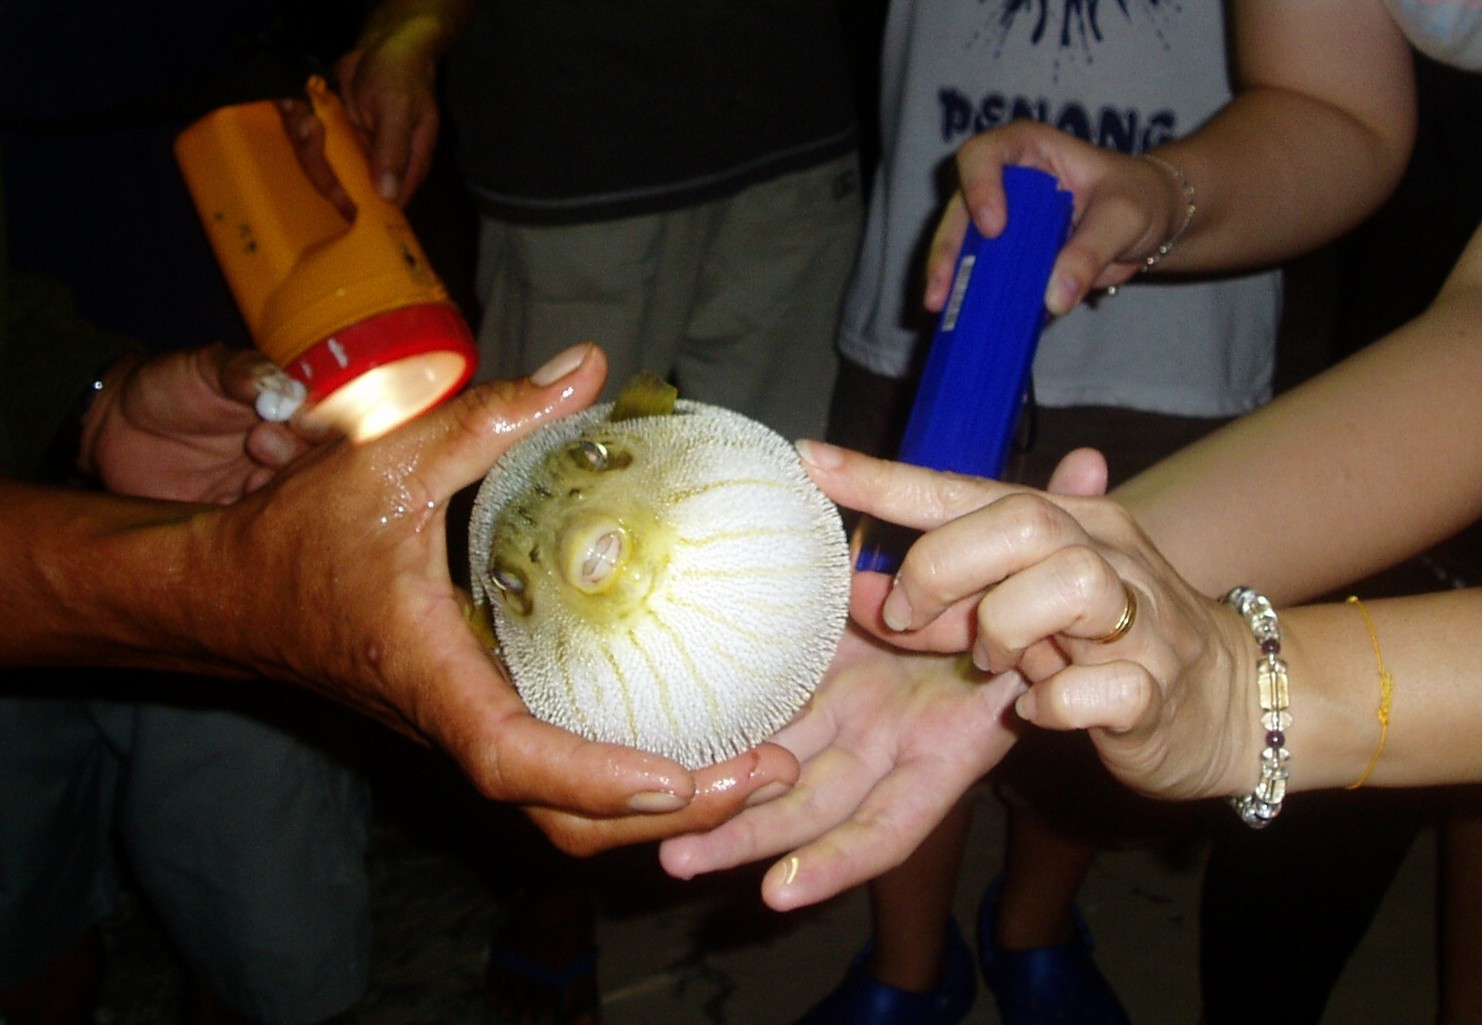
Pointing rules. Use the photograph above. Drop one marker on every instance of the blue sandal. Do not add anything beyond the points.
(566, 994)
(862, 1000)
(1047, 985)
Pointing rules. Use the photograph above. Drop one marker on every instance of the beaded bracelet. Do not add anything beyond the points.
(1259, 807)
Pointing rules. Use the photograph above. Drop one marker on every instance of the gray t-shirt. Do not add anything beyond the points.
(1127, 80)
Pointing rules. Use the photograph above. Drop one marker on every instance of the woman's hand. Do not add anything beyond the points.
(892, 739)
(887, 744)
(1124, 208)
(1031, 582)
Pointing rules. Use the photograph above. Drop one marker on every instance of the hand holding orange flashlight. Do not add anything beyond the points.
(349, 307)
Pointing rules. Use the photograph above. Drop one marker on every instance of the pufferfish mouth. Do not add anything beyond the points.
(592, 551)
(673, 582)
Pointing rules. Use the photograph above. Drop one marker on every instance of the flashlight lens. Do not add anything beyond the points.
(387, 396)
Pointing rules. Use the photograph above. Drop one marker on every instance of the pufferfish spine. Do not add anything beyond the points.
(674, 582)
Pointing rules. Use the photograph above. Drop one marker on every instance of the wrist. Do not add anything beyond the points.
(1333, 702)
(97, 409)
(1260, 805)
(1246, 736)
(239, 570)
(211, 541)
(1331, 730)
(1177, 185)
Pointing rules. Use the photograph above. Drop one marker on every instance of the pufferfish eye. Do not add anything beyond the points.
(590, 455)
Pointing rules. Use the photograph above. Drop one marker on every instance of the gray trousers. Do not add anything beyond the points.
(249, 843)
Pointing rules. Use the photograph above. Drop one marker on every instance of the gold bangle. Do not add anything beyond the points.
(1386, 691)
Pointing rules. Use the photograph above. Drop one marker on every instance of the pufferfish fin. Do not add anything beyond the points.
(476, 615)
(645, 394)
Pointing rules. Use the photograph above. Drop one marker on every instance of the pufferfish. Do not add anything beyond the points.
(660, 573)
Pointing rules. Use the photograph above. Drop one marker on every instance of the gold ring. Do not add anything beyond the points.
(1128, 617)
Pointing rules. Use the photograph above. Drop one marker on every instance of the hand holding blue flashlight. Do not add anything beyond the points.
(976, 376)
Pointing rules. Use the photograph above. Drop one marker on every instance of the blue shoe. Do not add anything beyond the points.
(1047, 985)
(860, 1000)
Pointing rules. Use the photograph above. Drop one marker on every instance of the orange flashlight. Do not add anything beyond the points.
(350, 309)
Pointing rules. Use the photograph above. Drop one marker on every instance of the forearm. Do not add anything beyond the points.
(1359, 468)
(94, 579)
(1317, 136)
(1431, 647)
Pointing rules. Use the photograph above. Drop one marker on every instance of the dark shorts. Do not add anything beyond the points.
(248, 842)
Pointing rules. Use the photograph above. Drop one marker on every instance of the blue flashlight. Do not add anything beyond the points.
(976, 376)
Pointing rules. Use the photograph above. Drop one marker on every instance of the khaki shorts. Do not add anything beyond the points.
(735, 301)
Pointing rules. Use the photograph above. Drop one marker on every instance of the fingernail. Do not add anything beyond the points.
(1027, 705)
(278, 396)
(560, 366)
(896, 612)
(655, 802)
(819, 454)
(1060, 296)
(388, 186)
(792, 870)
(936, 285)
(767, 793)
(988, 221)
(276, 444)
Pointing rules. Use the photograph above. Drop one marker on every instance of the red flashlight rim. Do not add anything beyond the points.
(385, 338)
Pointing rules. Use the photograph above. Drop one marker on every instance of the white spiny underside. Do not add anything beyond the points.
(741, 626)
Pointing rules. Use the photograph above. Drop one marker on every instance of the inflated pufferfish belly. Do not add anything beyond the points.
(674, 582)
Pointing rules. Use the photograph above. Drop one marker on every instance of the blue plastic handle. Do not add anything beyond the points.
(977, 369)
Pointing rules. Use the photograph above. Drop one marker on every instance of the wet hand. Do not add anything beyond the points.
(353, 539)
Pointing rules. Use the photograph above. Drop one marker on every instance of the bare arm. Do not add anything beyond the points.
(1366, 464)
(1357, 469)
(1431, 645)
(82, 574)
(1033, 581)
(1317, 135)
(334, 576)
